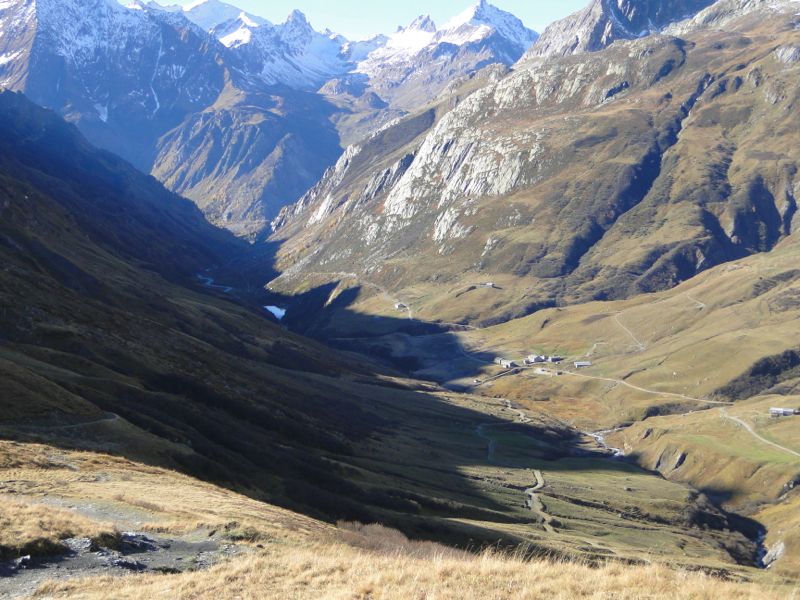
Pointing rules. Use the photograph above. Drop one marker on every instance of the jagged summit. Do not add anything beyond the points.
(483, 19)
(296, 31)
(478, 23)
(422, 23)
(298, 17)
(603, 22)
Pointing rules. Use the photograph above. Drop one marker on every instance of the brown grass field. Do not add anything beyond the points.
(293, 556)
(339, 571)
(34, 529)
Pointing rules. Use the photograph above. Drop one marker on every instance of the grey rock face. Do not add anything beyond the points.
(123, 76)
(154, 88)
(242, 162)
(606, 21)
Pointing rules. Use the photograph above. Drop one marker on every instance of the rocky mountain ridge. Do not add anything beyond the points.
(221, 105)
(603, 22)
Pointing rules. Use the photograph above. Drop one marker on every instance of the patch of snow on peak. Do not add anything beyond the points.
(477, 23)
(237, 37)
(401, 46)
(410, 39)
(210, 14)
(481, 20)
(423, 23)
(248, 20)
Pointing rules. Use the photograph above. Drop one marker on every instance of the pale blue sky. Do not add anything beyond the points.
(359, 19)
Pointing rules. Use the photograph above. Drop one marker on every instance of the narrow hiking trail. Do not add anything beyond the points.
(491, 443)
(534, 503)
(593, 349)
(700, 305)
(107, 418)
(639, 345)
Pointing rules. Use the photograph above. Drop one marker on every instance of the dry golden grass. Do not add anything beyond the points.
(387, 566)
(139, 496)
(36, 529)
(299, 557)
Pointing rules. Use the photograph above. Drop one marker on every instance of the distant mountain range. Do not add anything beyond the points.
(244, 116)
(228, 109)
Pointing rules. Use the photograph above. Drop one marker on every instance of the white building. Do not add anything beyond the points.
(534, 359)
(582, 364)
(783, 412)
(507, 364)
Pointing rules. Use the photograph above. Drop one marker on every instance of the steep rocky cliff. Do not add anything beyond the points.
(603, 22)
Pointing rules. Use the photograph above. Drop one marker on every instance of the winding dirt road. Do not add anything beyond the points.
(752, 432)
(646, 391)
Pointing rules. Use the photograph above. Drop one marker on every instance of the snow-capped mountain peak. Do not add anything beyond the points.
(474, 13)
(414, 37)
(422, 23)
(297, 32)
(235, 32)
(210, 14)
(482, 19)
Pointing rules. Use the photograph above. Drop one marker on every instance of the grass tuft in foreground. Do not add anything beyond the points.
(38, 530)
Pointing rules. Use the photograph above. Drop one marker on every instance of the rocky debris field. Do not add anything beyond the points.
(137, 552)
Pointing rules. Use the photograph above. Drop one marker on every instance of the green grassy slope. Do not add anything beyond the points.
(711, 355)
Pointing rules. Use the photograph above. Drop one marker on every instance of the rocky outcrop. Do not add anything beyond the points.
(374, 166)
(603, 22)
